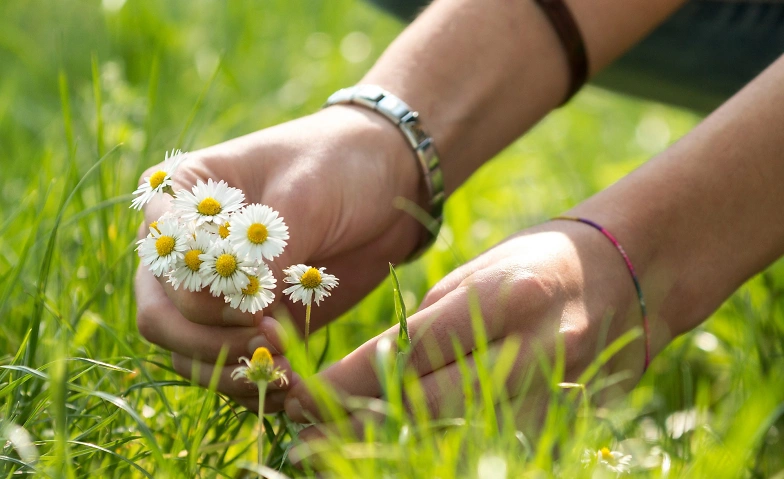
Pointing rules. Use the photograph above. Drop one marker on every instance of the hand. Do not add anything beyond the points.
(557, 281)
(333, 177)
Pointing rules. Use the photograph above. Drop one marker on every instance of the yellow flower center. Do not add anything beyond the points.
(164, 245)
(226, 265)
(157, 178)
(252, 287)
(606, 454)
(261, 357)
(192, 260)
(154, 226)
(209, 206)
(223, 230)
(311, 279)
(257, 233)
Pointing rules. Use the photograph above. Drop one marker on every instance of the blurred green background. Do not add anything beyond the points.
(79, 78)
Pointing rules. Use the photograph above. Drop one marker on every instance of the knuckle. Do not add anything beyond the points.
(524, 289)
(532, 288)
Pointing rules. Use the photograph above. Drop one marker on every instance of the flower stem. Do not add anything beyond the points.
(307, 331)
(262, 385)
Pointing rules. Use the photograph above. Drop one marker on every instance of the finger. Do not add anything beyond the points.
(202, 373)
(203, 308)
(355, 374)
(447, 284)
(317, 439)
(161, 323)
(443, 393)
(273, 402)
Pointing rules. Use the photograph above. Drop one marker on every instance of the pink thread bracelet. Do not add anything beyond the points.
(640, 297)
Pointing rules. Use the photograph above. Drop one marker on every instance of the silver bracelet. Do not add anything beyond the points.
(398, 112)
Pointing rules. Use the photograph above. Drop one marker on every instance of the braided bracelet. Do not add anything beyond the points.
(398, 112)
(568, 32)
(643, 309)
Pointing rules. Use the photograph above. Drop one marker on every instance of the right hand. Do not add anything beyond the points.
(333, 177)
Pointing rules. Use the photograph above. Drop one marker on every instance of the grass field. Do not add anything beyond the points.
(92, 93)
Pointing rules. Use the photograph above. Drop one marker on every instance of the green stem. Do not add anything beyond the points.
(262, 385)
(307, 331)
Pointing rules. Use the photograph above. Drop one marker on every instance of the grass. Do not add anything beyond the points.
(91, 94)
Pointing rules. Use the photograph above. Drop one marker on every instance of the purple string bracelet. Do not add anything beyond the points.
(637, 287)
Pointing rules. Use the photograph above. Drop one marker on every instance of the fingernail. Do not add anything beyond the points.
(272, 328)
(235, 317)
(261, 341)
(294, 409)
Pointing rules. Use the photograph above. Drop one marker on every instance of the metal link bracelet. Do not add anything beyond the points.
(398, 112)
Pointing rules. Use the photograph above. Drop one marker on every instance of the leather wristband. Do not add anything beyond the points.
(399, 113)
(569, 34)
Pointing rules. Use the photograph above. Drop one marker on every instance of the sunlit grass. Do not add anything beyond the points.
(91, 95)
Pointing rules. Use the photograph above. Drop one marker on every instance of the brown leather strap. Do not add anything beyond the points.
(572, 41)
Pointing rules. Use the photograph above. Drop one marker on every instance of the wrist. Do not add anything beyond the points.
(476, 95)
(373, 138)
(380, 153)
(663, 267)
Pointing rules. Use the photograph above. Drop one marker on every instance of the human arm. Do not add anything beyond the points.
(479, 77)
(696, 221)
(482, 73)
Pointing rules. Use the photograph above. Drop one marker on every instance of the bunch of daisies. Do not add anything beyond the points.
(213, 239)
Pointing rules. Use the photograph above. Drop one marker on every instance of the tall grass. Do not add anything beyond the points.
(91, 94)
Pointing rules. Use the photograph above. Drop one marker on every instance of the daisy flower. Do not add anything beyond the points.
(613, 461)
(160, 181)
(164, 218)
(187, 270)
(209, 202)
(259, 368)
(223, 230)
(308, 283)
(258, 232)
(163, 247)
(223, 270)
(257, 295)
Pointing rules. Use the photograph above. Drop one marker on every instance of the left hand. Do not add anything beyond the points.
(559, 281)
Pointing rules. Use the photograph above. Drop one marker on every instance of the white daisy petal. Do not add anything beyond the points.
(163, 247)
(257, 295)
(160, 181)
(257, 232)
(308, 283)
(209, 202)
(187, 270)
(614, 461)
(223, 271)
(168, 216)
